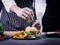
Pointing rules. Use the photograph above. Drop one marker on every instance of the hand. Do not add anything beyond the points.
(25, 13)
(38, 26)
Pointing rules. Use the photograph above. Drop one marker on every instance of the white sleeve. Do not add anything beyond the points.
(40, 6)
(8, 3)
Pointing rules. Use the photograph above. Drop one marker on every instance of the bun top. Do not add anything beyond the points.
(28, 29)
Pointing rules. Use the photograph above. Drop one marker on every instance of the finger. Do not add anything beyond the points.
(25, 14)
(27, 18)
(23, 17)
(28, 15)
(38, 26)
(29, 10)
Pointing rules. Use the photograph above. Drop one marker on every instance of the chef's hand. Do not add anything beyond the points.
(38, 26)
(25, 13)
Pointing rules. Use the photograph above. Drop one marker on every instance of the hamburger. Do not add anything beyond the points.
(32, 32)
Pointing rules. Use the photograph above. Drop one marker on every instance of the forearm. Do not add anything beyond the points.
(15, 9)
(8, 4)
(40, 6)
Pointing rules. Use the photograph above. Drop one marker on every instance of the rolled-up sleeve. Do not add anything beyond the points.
(8, 3)
(40, 6)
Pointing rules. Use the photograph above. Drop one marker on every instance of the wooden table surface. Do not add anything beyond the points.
(10, 32)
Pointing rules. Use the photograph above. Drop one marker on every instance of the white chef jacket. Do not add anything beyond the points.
(40, 6)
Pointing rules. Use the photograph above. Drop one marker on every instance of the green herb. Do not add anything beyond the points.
(28, 33)
(36, 35)
(1, 29)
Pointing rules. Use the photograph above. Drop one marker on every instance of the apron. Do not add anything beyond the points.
(1, 5)
(11, 21)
